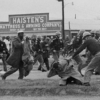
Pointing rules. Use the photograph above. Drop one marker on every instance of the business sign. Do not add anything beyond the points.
(31, 23)
(4, 27)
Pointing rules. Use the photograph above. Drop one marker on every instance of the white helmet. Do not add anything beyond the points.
(81, 32)
(85, 34)
(58, 33)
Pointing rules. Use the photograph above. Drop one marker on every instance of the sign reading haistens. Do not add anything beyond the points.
(33, 23)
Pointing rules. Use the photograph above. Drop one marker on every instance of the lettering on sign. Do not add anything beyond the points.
(31, 23)
(23, 20)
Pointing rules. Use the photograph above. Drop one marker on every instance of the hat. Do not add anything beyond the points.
(85, 34)
(58, 33)
(33, 36)
(20, 31)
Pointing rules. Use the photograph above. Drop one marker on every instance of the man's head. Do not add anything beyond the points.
(27, 38)
(58, 67)
(21, 34)
(58, 34)
(39, 38)
(81, 33)
(67, 37)
(47, 39)
(53, 70)
(97, 34)
(86, 35)
(33, 37)
(8, 38)
(93, 33)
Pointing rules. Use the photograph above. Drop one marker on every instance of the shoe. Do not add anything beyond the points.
(62, 84)
(86, 84)
(19, 78)
(43, 70)
(96, 73)
(39, 69)
(27, 73)
(3, 78)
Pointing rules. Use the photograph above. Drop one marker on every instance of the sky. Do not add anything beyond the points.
(84, 9)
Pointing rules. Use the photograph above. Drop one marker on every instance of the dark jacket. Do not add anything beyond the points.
(36, 46)
(56, 44)
(45, 51)
(3, 48)
(77, 42)
(15, 59)
(91, 44)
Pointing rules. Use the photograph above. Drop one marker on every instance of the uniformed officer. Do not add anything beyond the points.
(76, 44)
(45, 53)
(37, 48)
(3, 53)
(56, 45)
(94, 48)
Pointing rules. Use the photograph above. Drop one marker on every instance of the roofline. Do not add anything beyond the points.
(29, 14)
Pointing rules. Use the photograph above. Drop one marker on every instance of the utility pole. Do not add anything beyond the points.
(70, 35)
(63, 26)
(75, 16)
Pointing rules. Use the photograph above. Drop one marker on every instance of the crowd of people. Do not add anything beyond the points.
(22, 52)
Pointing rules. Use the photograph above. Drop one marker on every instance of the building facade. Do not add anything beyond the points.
(38, 24)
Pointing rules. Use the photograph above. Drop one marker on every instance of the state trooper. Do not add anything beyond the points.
(45, 52)
(3, 53)
(93, 47)
(37, 48)
(56, 45)
(76, 44)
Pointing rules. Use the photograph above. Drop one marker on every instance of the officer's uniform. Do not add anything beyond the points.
(3, 54)
(90, 43)
(37, 48)
(55, 46)
(76, 44)
(45, 53)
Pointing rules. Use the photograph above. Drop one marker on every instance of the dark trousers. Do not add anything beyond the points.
(79, 62)
(39, 58)
(13, 70)
(46, 61)
(4, 62)
(72, 80)
(56, 55)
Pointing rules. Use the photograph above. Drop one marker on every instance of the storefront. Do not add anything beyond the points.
(38, 24)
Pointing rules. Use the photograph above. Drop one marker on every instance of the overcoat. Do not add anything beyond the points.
(15, 58)
(65, 70)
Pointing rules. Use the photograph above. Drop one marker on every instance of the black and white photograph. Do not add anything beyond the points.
(49, 49)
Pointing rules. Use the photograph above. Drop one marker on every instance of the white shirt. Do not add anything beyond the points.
(7, 43)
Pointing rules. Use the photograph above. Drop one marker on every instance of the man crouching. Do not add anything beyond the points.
(65, 71)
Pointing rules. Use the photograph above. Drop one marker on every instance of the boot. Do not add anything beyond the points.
(11, 71)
